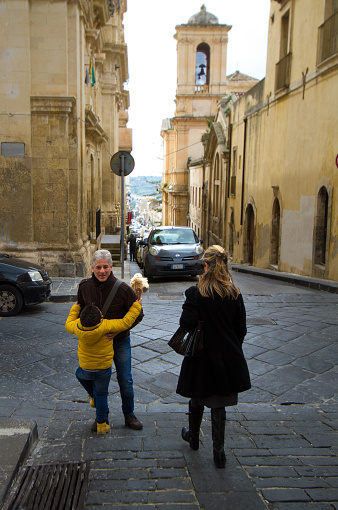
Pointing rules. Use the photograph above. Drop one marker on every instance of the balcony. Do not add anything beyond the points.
(327, 39)
(201, 89)
(283, 71)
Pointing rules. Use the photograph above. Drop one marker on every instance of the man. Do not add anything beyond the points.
(132, 247)
(95, 290)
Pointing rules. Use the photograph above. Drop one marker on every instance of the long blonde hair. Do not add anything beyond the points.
(217, 277)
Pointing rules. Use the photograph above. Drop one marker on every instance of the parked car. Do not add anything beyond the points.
(21, 283)
(172, 251)
(140, 251)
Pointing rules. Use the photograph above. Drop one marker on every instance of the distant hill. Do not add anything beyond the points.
(144, 185)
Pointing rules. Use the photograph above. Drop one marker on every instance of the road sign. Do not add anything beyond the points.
(119, 158)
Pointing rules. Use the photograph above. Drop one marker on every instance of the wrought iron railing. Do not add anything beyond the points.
(328, 39)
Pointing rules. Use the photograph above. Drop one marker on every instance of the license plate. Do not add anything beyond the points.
(177, 266)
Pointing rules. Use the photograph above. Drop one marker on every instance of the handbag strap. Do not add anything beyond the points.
(110, 297)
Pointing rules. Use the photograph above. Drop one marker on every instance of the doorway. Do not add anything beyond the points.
(275, 231)
(250, 233)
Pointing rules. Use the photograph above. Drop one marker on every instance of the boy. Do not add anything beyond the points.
(96, 353)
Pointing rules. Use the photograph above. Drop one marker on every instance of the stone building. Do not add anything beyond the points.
(63, 114)
(270, 166)
(201, 83)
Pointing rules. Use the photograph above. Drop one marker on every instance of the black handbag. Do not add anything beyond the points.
(188, 344)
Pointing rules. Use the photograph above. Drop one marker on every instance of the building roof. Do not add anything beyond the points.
(237, 76)
(203, 18)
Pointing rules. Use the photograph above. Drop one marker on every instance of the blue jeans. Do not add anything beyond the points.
(122, 361)
(96, 384)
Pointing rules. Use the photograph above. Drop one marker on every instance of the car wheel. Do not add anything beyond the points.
(11, 301)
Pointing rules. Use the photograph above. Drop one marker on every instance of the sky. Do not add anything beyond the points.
(149, 28)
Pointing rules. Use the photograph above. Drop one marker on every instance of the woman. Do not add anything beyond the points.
(214, 379)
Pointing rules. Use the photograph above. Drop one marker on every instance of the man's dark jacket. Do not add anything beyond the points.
(92, 291)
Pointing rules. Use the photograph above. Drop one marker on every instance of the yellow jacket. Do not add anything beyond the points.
(95, 350)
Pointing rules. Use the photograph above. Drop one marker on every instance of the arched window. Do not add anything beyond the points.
(321, 226)
(202, 64)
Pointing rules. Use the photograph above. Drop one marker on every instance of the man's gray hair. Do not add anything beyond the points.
(102, 255)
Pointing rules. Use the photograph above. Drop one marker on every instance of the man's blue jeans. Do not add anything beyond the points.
(122, 361)
(96, 384)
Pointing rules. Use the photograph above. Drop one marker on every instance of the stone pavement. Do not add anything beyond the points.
(281, 439)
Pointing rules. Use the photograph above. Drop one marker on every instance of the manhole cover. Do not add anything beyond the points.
(260, 321)
(50, 486)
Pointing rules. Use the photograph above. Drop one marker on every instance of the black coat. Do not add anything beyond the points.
(222, 369)
(92, 291)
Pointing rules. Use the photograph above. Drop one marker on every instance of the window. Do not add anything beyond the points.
(202, 70)
(233, 172)
(283, 67)
(328, 32)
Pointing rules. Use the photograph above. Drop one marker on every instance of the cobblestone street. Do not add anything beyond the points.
(281, 439)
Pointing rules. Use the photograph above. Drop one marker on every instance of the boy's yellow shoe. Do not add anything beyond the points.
(102, 428)
(91, 401)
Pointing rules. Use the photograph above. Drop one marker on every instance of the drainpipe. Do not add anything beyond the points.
(243, 175)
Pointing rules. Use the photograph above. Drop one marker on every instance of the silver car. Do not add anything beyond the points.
(172, 251)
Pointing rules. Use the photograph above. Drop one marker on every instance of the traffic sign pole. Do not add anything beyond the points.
(122, 164)
(122, 216)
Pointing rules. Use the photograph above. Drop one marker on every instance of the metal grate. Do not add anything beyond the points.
(50, 487)
(260, 321)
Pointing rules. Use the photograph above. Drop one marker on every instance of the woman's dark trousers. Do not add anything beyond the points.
(191, 434)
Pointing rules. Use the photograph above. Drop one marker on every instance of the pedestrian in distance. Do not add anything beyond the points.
(214, 379)
(96, 351)
(96, 290)
(132, 247)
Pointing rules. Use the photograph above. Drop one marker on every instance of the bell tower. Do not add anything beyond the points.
(201, 83)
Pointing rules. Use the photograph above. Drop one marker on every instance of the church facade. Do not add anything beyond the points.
(64, 114)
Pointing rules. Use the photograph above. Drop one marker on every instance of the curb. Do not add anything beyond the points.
(17, 439)
(304, 281)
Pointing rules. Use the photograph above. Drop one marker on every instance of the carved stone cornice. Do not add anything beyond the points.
(59, 105)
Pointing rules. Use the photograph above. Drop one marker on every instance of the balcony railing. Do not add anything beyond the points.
(328, 39)
(201, 89)
(283, 69)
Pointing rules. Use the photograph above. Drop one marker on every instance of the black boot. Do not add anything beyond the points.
(218, 417)
(191, 434)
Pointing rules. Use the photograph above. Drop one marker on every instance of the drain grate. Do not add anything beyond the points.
(50, 487)
(260, 321)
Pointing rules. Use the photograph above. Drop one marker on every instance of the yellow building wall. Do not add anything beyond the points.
(291, 149)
